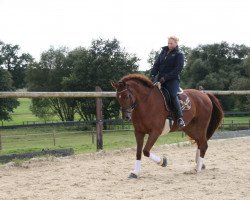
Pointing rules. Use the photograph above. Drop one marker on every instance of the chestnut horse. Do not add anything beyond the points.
(142, 101)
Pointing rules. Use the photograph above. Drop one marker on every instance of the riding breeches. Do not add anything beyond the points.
(173, 87)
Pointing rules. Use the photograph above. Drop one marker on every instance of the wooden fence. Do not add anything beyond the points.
(98, 94)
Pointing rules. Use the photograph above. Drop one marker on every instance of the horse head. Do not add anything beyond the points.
(125, 98)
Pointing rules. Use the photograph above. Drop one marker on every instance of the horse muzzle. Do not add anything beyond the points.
(127, 116)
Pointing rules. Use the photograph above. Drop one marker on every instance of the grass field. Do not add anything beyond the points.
(32, 139)
(23, 114)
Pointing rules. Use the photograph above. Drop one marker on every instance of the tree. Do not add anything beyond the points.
(216, 67)
(79, 70)
(243, 83)
(15, 62)
(47, 75)
(153, 56)
(103, 62)
(6, 105)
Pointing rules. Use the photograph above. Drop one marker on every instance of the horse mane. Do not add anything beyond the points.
(144, 80)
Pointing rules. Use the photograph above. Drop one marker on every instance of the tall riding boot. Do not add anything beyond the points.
(179, 113)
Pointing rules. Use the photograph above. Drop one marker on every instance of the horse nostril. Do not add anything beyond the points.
(127, 118)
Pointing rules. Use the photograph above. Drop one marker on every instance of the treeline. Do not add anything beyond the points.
(13, 66)
(80, 69)
(220, 67)
(213, 66)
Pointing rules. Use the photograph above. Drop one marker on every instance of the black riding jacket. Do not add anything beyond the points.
(168, 64)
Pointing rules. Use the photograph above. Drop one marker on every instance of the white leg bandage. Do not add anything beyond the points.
(199, 164)
(197, 155)
(137, 167)
(155, 158)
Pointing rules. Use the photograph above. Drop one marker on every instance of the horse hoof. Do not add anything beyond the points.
(164, 162)
(202, 168)
(132, 175)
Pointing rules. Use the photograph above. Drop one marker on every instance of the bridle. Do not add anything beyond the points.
(133, 104)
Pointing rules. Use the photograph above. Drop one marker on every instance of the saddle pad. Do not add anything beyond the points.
(183, 98)
(184, 101)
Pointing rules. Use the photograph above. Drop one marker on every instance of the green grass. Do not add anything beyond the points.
(241, 119)
(24, 106)
(23, 115)
(34, 139)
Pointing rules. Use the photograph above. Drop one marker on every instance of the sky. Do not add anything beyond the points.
(140, 25)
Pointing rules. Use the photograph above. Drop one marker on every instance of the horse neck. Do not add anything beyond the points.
(149, 98)
(140, 92)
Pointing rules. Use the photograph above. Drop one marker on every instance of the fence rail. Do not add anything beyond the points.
(95, 94)
(229, 92)
(56, 94)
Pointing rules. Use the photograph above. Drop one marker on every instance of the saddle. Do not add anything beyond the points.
(182, 96)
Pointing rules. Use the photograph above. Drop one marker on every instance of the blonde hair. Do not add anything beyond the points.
(176, 39)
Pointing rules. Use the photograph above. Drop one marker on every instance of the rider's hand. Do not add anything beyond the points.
(162, 80)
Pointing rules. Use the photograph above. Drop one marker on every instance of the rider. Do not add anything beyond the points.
(166, 70)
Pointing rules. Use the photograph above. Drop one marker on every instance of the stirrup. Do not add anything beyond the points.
(181, 122)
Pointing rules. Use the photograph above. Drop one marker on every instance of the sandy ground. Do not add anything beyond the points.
(104, 175)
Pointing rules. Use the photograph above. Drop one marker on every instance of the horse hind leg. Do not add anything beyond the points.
(198, 151)
(200, 154)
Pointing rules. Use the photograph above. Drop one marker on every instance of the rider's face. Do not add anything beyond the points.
(171, 44)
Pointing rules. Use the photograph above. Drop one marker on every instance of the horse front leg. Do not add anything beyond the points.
(137, 168)
(146, 151)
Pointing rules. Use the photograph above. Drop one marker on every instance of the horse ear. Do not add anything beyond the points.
(122, 83)
(114, 84)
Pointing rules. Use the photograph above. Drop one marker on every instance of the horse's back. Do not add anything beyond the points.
(200, 101)
(196, 94)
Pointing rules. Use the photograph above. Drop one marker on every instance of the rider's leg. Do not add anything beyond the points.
(173, 88)
(179, 113)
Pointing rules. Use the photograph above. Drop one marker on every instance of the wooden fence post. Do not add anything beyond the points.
(54, 138)
(99, 121)
(1, 142)
(93, 135)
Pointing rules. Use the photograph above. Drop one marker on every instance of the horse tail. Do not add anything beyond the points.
(217, 116)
